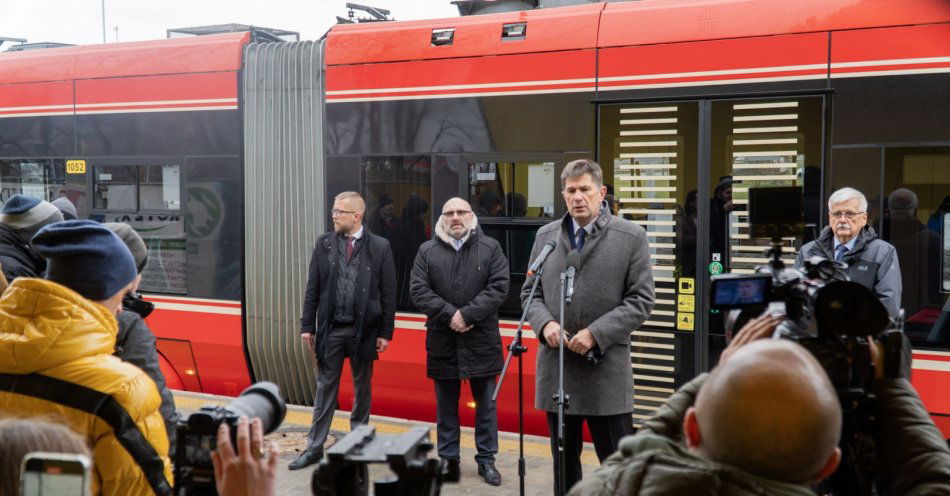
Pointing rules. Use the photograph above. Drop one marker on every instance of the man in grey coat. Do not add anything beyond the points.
(613, 295)
(459, 279)
(134, 342)
(872, 262)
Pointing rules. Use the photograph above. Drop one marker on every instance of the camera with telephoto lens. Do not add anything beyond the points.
(832, 318)
(197, 436)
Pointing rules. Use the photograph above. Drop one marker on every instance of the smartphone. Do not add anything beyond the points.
(55, 474)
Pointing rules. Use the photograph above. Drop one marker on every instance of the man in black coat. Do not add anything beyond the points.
(349, 311)
(459, 279)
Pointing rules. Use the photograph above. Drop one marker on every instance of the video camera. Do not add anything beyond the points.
(344, 470)
(197, 436)
(831, 317)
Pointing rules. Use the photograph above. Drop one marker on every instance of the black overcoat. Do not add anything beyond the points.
(375, 293)
(474, 281)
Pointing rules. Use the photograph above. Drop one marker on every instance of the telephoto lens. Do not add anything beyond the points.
(197, 437)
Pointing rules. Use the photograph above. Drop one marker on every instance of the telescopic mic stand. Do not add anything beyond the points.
(562, 399)
(518, 349)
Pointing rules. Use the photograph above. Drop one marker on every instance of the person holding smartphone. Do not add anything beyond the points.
(38, 450)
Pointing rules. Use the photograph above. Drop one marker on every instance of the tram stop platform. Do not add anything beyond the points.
(291, 440)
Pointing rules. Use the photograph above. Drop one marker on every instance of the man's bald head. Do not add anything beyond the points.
(770, 410)
(457, 218)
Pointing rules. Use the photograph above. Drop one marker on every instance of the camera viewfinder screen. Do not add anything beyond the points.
(740, 292)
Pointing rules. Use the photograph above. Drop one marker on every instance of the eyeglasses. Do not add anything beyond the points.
(452, 213)
(849, 215)
(337, 212)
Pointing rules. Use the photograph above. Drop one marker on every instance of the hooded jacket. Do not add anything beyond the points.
(473, 281)
(872, 263)
(17, 258)
(56, 360)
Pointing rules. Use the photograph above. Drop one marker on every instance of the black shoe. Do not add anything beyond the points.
(306, 459)
(489, 473)
(451, 472)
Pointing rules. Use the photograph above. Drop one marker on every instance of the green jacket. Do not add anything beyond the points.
(656, 462)
(913, 458)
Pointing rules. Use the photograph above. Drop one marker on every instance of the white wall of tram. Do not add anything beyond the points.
(283, 91)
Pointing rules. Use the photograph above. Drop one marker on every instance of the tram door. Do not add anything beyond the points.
(682, 171)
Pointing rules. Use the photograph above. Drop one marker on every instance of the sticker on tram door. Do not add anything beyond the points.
(686, 303)
(684, 321)
(687, 285)
(75, 167)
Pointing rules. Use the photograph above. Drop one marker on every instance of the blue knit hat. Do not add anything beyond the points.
(86, 257)
(25, 212)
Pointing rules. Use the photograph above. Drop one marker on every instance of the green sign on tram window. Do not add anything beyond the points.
(715, 268)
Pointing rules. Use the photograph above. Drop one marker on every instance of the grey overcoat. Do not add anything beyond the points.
(613, 295)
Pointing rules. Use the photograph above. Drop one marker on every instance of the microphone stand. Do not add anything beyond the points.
(518, 349)
(563, 401)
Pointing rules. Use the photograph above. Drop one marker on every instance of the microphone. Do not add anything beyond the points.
(573, 261)
(539, 261)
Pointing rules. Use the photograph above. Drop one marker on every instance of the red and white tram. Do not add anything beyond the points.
(225, 154)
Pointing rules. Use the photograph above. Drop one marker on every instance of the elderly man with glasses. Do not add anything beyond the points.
(459, 280)
(848, 239)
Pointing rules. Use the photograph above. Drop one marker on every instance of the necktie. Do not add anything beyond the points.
(581, 236)
(349, 248)
(839, 252)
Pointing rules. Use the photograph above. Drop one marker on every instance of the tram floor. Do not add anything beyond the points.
(291, 439)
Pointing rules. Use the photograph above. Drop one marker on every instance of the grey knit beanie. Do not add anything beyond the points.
(23, 212)
(132, 240)
(66, 207)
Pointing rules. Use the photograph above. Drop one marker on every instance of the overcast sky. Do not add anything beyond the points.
(80, 21)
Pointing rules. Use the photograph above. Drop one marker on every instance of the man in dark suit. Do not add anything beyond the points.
(349, 311)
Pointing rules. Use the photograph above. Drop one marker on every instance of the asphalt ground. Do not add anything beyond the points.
(291, 440)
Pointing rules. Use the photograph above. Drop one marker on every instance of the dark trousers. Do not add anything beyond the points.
(341, 343)
(447, 418)
(606, 430)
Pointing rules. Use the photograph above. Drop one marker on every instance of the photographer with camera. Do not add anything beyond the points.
(57, 337)
(872, 262)
(135, 342)
(767, 420)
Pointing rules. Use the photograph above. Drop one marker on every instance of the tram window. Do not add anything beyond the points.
(513, 189)
(516, 242)
(160, 187)
(915, 205)
(858, 168)
(115, 188)
(397, 192)
(32, 177)
(212, 247)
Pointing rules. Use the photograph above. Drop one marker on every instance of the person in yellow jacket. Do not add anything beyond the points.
(57, 337)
